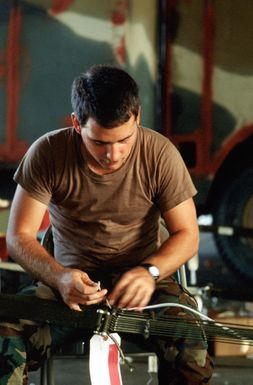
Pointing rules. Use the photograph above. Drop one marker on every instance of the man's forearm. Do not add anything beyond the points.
(28, 252)
(174, 252)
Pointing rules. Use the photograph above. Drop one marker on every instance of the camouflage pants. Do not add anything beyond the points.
(182, 361)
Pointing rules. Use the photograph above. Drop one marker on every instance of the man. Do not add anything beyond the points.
(106, 181)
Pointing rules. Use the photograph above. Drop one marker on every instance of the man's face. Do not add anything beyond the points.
(108, 148)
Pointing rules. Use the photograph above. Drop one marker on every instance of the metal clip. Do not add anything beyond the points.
(146, 331)
(102, 326)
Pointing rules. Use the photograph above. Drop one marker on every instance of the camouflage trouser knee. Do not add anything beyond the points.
(24, 345)
(183, 360)
(12, 357)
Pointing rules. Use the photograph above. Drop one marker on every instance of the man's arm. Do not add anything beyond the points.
(26, 216)
(136, 286)
(183, 242)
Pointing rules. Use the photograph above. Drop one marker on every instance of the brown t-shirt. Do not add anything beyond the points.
(103, 221)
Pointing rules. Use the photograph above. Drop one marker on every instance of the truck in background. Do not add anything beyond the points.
(44, 46)
(193, 63)
(207, 87)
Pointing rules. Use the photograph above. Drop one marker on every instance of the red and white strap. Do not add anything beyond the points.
(104, 360)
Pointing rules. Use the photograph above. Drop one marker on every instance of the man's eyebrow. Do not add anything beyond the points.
(105, 142)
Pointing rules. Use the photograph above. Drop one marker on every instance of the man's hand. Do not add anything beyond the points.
(134, 289)
(76, 288)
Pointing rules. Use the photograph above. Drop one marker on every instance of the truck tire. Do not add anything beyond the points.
(235, 208)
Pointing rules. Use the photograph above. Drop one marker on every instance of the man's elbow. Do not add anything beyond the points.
(11, 241)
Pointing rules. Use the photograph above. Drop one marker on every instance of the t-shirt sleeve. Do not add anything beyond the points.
(174, 183)
(34, 173)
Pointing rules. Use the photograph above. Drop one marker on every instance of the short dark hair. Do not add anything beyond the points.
(106, 93)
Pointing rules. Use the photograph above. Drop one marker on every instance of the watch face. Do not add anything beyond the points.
(154, 271)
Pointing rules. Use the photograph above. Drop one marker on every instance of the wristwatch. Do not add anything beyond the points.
(152, 269)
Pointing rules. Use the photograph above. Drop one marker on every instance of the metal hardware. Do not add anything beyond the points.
(103, 320)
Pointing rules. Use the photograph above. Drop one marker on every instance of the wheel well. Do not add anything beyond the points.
(240, 157)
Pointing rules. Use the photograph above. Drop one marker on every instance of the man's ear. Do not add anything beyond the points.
(76, 123)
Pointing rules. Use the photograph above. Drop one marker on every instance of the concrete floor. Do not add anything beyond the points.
(228, 371)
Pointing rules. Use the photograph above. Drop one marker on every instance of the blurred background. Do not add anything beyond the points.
(193, 62)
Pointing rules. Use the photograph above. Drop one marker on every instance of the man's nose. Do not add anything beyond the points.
(112, 152)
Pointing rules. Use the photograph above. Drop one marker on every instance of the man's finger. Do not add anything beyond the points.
(136, 300)
(118, 291)
(84, 288)
(87, 281)
(84, 299)
(74, 306)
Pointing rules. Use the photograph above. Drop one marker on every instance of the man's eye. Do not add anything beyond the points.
(98, 143)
